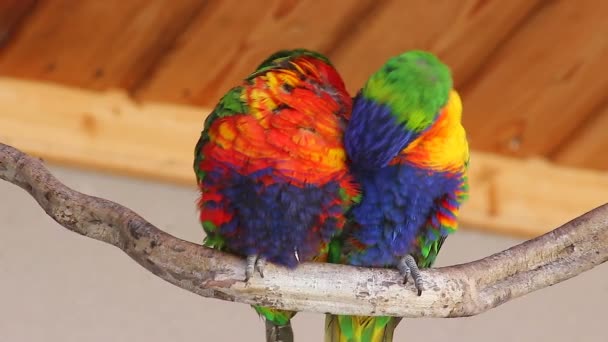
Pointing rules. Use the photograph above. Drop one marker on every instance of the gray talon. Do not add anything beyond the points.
(407, 267)
(260, 265)
(251, 259)
(254, 264)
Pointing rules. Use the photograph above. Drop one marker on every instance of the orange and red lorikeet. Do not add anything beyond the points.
(409, 153)
(271, 167)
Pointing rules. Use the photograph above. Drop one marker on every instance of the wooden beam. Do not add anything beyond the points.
(528, 197)
(104, 130)
(109, 131)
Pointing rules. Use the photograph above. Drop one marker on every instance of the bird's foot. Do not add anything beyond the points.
(407, 267)
(254, 263)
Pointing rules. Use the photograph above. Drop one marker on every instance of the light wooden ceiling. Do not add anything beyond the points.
(532, 73)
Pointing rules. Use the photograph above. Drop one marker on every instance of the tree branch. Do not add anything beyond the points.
(455, 291)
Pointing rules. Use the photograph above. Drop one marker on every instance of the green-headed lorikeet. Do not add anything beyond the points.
(409, 153)
(271, 167)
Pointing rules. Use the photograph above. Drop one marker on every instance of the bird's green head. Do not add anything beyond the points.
(414, 85)
(396, 106)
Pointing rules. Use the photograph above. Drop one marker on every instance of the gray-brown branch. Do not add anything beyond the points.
(455, 291)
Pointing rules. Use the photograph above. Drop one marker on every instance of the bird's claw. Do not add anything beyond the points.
(407, 267)
(254, 263)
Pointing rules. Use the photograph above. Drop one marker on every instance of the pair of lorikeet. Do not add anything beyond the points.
(292, 169)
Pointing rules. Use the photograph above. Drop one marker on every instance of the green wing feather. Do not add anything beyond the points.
(232, 103)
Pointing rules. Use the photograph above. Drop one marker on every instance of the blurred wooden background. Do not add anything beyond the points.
(125, 85)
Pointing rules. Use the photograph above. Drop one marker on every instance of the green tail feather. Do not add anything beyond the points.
(340, 328)
(278, 324)
(279, 333)
(360, 328)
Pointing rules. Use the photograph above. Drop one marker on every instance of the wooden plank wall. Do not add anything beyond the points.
(11, 14)
(230, 38)
(452, 29)
(527, 69)
(542, 84)
(95, 44)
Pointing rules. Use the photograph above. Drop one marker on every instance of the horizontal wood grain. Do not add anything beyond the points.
(528, 197)
(108, 131)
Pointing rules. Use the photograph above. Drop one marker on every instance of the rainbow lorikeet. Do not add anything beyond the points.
(271, 167)
(409, 153)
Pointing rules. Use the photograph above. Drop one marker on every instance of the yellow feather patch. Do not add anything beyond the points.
(227, 131)
(444, 145)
